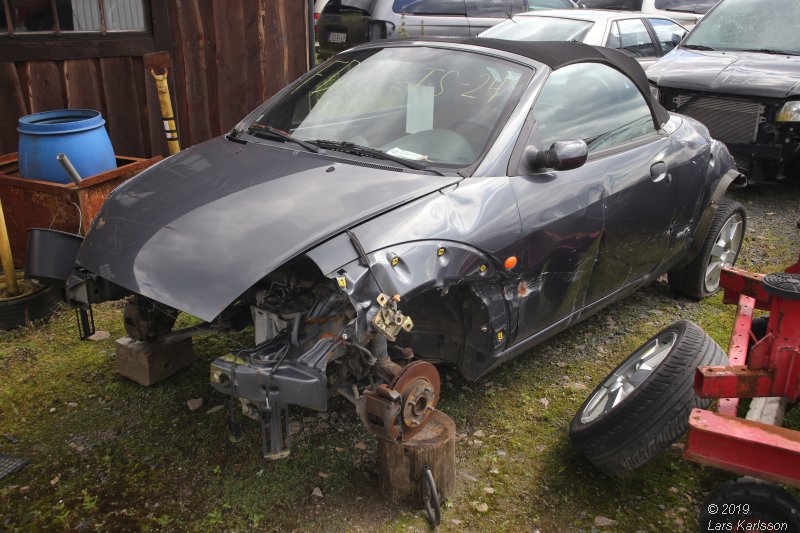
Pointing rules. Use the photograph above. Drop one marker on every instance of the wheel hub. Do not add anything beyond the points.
(628, 377)
(418, 384)
(724, 251)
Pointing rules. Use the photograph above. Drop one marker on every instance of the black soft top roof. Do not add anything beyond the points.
(558, 54)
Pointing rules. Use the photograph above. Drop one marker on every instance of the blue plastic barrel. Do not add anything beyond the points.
(79, 133)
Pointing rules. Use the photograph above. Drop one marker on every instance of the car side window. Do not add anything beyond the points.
(686, 6)
(593, 102)
(669, 33)
(536, 5)
(429, 7)
(623, 5)
(631, 36)
(494, 8)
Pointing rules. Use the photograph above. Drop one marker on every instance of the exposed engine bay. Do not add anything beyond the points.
(309, 346)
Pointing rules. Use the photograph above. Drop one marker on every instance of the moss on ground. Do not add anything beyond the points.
(107, 454)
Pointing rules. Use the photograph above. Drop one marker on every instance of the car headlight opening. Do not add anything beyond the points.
(790, 112)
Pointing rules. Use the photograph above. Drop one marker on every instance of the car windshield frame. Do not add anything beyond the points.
(749, 19)
(275, 111)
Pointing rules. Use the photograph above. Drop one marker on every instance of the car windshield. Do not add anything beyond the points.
(423, 104)
(759, 25)
(527, 28)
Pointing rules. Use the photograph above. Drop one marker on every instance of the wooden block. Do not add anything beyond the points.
(401, 465)
(150, 362)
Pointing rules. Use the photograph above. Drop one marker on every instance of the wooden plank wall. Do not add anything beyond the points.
(228, 57)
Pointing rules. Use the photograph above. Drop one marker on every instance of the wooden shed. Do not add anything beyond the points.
(228, 57)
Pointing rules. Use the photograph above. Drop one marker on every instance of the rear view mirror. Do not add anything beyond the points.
(563, 155)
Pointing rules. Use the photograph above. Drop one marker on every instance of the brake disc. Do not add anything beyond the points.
(419, 386)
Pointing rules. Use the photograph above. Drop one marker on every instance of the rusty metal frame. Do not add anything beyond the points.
(744, 447)
(768, 368)
(737, 348)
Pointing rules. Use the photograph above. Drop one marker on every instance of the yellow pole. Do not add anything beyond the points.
(167, 115)
(5, 256)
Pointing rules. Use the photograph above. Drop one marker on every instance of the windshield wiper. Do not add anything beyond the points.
(268, 132)
(698, 47)
(357, 149)
(768, 51)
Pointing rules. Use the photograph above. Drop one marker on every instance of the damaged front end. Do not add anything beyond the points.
(311, 343)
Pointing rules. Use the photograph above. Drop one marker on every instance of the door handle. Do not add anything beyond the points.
(658, 172)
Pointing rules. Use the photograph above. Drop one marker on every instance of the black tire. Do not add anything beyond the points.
(690, 279)
(759, 328)
(744, 502)
(655, 412)
(21, 311)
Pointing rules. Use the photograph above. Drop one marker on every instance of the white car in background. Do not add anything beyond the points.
(643, 37)
(686, 12)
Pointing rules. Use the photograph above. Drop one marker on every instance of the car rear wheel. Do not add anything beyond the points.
(700, 278)
(644, 404)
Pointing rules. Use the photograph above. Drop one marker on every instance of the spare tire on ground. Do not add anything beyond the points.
(34, 301)
(643, 406)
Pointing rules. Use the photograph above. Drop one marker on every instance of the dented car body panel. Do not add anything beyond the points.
(360, 265)
(216, 216)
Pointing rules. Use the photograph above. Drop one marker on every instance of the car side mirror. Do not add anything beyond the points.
(677, 37)
(563, 155)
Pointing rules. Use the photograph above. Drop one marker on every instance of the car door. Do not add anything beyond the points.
(591, 231)
(633, 37)
(668, 33)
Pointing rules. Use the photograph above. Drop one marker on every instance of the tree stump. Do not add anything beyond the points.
(401, 465)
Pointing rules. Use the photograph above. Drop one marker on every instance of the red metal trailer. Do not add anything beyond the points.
(762, 364)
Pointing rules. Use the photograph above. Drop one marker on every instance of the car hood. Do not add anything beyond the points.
(734, 72)
(197, 230)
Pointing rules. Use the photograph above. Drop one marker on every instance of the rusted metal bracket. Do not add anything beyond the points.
(389, 320)
(379, 411)
(737, 348)
(738, 282)
(732, 381)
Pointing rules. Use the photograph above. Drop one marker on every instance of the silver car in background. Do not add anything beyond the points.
(643, 37)
(686, 12)
(346, 23)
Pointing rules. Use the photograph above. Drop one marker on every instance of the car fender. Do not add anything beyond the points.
(726, 175)
(410, 269)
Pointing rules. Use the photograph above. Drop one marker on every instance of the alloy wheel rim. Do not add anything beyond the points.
(628, 377)
(724, 251)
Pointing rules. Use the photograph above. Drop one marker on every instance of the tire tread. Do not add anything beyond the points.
(620, 442)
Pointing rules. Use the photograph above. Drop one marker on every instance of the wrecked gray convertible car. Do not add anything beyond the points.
(414, 202)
